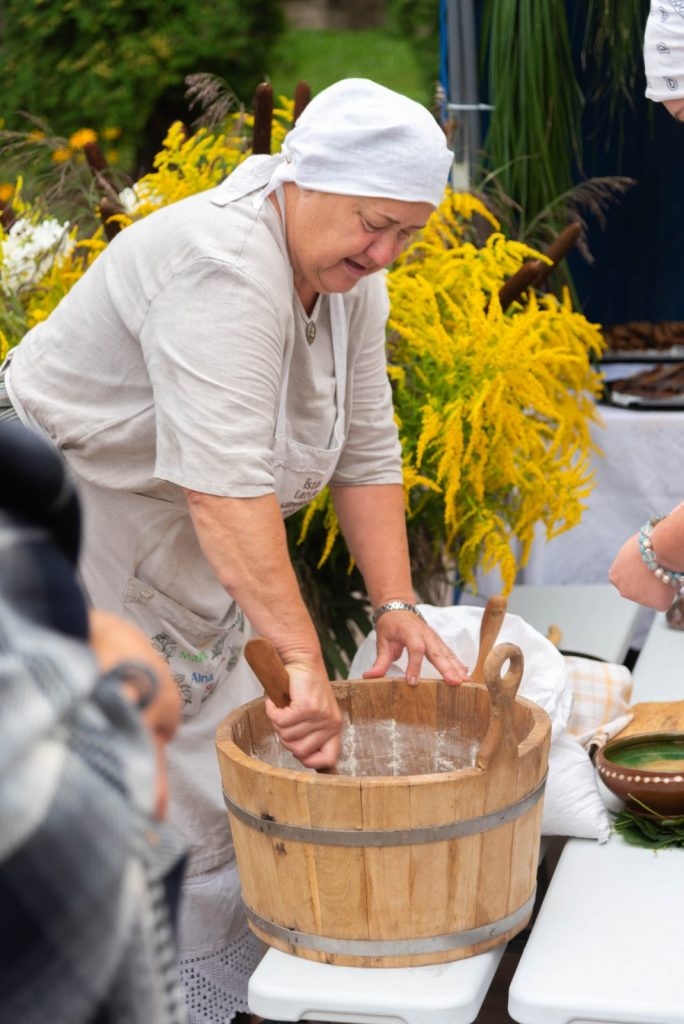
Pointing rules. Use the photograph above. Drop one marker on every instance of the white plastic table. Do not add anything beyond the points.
(639, 474)
(607, 945)
(659, 670)
(607, 942)
(286, 987)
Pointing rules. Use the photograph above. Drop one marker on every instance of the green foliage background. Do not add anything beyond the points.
(323, 57)
(87, 63)
(417, 21)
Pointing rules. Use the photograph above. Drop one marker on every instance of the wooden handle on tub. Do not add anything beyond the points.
(492, 620)
(265, 663)
(499, 742)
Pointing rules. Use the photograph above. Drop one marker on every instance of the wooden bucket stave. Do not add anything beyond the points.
(390, 870)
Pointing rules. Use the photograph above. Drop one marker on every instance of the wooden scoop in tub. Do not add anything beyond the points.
(492, 620)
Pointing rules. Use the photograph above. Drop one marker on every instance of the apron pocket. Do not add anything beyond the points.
(200, 654)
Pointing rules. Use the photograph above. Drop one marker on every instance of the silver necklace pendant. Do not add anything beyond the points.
(310, 332)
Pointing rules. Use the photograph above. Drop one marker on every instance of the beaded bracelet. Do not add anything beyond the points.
(395, 606)
(669, 576)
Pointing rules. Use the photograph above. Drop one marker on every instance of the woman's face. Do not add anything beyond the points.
(334, 240)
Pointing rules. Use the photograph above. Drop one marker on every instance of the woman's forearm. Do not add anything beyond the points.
(245, 542)
(373, 521)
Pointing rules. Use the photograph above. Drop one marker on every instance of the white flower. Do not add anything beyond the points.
(29, 250)
(129, 199)
(133, 197)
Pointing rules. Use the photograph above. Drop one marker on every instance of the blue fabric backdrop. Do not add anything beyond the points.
(638, 268)
(638, 272)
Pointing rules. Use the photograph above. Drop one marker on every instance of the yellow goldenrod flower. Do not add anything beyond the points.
(81, 138)
(61, 155)
(6, 191)
(493, 406)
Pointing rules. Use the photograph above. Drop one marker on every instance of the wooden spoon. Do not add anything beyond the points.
(267, 666)
(492, 620)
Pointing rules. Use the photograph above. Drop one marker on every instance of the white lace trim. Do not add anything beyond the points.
(215, 984)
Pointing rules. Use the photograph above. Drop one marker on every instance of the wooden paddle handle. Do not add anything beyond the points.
(492, 620)
(499, 744)
(266, 664)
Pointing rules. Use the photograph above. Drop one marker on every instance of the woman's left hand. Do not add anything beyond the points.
(397, 631)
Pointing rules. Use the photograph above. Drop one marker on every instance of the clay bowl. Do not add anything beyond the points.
(646, 768)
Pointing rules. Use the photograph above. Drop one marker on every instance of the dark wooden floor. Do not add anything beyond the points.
(495, 1007)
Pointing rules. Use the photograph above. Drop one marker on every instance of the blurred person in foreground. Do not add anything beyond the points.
(89, 871)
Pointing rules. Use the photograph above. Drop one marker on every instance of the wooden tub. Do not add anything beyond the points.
(422, 849)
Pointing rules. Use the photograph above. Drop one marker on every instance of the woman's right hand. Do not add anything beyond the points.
(310, 726)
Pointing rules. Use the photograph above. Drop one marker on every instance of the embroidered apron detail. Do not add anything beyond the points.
(199, 653)
(301, 471)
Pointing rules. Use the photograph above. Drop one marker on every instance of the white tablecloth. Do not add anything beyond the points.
(640, 473)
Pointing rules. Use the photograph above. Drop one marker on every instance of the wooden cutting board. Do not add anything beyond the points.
(656, 716)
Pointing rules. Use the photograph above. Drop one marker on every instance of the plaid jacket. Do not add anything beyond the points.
(88, 882)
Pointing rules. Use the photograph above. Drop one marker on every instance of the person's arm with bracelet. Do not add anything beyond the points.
(649, 567)
(245, 542)
(373, 521)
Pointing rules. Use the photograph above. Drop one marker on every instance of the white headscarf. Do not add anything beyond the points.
(358, 138)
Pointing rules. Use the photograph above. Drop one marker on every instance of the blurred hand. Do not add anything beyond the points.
(114, 641)
(635, 581)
